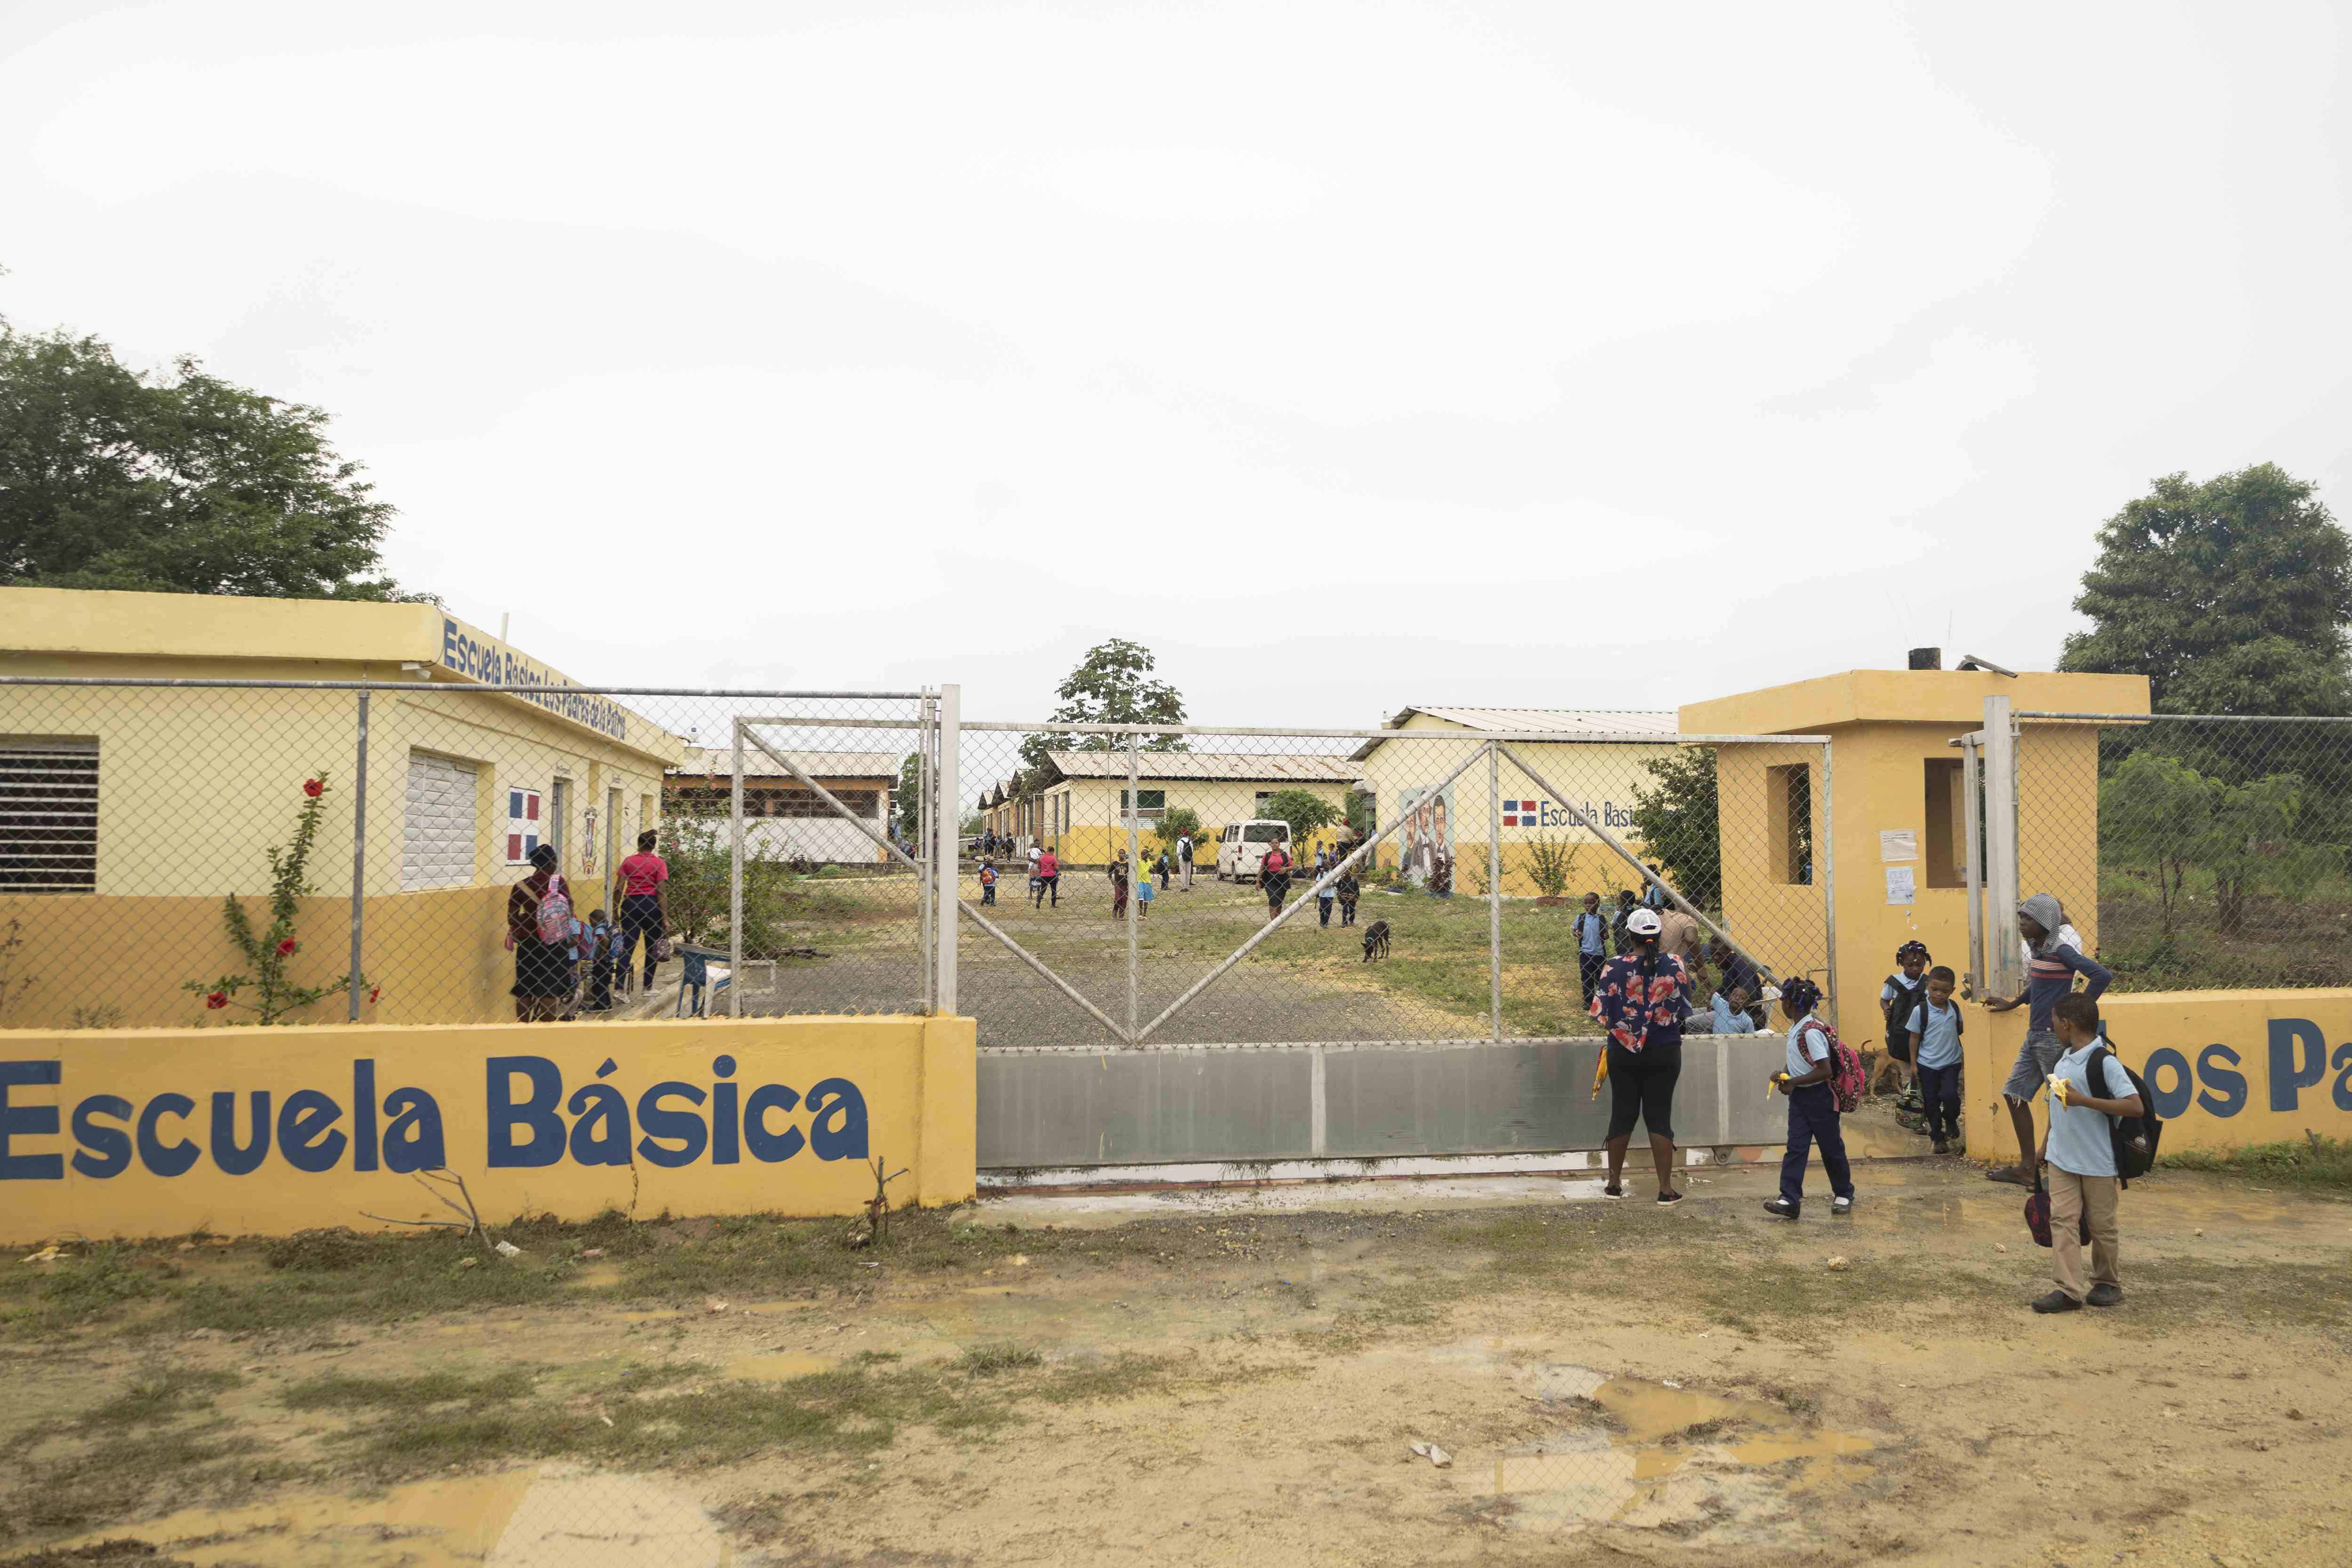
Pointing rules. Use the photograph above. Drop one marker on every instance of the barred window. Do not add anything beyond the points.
(48, 817)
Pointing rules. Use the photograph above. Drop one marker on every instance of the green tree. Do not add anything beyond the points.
(1360, 812)
(2248, 838)
(1307, 812)
(181, 483)
(906, 802)
(1112, 685)
(1176, 822)
(1679, 818)
(2232, 596)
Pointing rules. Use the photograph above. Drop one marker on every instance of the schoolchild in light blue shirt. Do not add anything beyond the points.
(1731, 1014)
(1935, 1026)
(2080, 1156)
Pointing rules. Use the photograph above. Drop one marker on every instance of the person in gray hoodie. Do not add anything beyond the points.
(2050, 972)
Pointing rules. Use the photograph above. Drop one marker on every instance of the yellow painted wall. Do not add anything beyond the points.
(915, 1075)
(2231, 1068)
(1782, 923)
(1600, 778)
(102, 961)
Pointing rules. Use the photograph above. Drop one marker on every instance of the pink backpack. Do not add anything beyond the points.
(1846, 1079)
(555, 912)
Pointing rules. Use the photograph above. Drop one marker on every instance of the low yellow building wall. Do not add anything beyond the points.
(2227, 1068)
(103, 961)
(159, 1132)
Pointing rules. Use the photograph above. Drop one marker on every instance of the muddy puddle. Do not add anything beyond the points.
(556, 1516)
(1649, 1454)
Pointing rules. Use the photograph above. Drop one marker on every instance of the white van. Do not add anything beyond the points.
(1244, 844)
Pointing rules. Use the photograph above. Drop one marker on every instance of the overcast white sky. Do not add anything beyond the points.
(1578, 356)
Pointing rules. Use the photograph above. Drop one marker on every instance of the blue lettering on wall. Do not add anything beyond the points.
(537, 1112)
(2343, 1090)
(2225, 1091)
(838, 1131)
(494, 666)
(2287, 1080)
(412, 1141)
(228, 1154)
(659, 1122)
(105, 1151)
(2171, 1099)
(165, 1159)
(305, 1134)
(26, 1121)
(312, 1131)
(767, 1147)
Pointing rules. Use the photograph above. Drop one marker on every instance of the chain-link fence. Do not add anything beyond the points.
(217, 852)
(1117, 888)
(2192, 852)
(187, 852)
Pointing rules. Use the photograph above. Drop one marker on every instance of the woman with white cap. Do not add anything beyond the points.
(1642, 999)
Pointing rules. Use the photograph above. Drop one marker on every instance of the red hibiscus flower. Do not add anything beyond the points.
(217, 999)
(287, 946)
(314, 788)
(375, 992)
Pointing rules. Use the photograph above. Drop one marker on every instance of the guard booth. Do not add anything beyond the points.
(1889, 833)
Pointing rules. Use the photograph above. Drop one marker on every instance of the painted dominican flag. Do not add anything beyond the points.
(1519, 814)
(522, 824)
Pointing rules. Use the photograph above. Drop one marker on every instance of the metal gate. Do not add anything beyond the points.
(1471, 848)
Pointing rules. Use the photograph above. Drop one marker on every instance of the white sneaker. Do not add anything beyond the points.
(1842, 1206)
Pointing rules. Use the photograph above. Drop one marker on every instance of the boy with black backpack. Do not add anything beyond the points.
(2089, 1089)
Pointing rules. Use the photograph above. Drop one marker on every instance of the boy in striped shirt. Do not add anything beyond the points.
(2049, 975)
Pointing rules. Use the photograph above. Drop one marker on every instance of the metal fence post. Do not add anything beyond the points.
(2001, 832)
(359, 858)
(735, 877)
(926, 861)
(1825, 851)
(1494, 889)
(951, 810)
(1972, 817)
(1134, 864)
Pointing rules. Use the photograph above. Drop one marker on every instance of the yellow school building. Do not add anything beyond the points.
(1078, 800)
(133, 812)
(1449, 823)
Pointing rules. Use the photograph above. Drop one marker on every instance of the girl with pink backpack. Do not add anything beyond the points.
(1818, 1062)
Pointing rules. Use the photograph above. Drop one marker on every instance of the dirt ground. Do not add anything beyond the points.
(1232, 1377)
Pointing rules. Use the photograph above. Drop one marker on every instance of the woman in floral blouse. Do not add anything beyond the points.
(1643, 998)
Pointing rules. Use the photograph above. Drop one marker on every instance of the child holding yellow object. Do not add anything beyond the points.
(2080, 1154)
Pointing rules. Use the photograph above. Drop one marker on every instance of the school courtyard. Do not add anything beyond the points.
(1231, 1376)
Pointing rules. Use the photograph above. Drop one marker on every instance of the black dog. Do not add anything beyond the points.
(1376, 941)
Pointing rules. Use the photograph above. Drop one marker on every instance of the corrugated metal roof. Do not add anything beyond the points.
(1237, 767)
(1566, 723)
(719, 761)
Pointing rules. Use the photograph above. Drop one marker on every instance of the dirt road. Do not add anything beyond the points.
(1236, 1384)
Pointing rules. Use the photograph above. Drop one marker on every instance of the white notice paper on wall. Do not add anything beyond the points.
(1898, 844)
(1898, 885)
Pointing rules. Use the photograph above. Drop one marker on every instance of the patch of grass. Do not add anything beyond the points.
(100, 1282)
(663, 1374)
(338, 1392)
(874, 1358)
(987, 1361)
(111, 1481)
(159, 1392)
(126, 1553)
(849, 1411)
(2310, 1162)
(2164, 1293)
